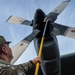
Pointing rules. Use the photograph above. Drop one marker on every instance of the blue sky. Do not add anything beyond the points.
(26, 10)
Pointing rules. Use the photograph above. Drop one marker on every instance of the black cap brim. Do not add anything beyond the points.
(8, 42)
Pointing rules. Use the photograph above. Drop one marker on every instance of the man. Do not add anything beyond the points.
(5, 58)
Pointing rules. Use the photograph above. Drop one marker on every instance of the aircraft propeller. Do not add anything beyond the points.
(58, 29)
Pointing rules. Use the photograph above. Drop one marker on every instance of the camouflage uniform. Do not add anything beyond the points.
(8, 69)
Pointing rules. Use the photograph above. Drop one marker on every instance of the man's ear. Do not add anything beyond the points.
(4, 50)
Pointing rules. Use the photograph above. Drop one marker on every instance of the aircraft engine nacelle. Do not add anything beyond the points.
(50, 55)
(68, 64)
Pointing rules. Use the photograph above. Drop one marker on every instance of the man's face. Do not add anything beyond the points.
(8, 51)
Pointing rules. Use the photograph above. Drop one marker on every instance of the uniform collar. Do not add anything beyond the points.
(4, 62)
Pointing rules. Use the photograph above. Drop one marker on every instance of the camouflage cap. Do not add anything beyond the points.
(3, 40)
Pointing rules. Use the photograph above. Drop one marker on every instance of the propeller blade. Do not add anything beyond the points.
(18, 20)
(70, 32)
(54, 13)
(19, 48)
(64, 30)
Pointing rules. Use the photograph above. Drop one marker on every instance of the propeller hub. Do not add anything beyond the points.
(41, 26)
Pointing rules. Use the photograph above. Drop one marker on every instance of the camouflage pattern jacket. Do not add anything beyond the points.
(8, 69)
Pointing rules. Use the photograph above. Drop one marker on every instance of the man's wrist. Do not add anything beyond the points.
(31, 62)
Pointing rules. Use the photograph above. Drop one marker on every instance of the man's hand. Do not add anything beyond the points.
(36, 60)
